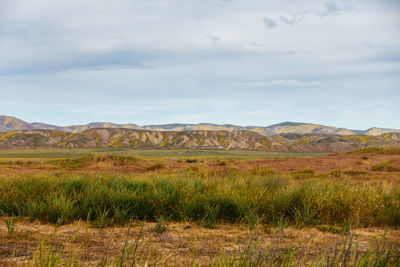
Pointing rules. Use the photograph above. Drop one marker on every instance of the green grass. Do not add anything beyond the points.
(201, 195)
(54, 153)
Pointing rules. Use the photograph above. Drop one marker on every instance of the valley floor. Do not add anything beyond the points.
(196, 208)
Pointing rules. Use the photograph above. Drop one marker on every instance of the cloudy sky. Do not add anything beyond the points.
(245, 62)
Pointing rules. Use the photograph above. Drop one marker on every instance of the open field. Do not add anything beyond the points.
(74, 153)
(213, 208)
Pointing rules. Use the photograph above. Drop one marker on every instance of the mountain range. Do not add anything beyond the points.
(117, 138)
(9, 123)
(283, 137)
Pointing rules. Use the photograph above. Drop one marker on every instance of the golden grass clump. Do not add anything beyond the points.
(225, 196)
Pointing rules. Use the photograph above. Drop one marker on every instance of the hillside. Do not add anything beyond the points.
(143, 139)
(8, 123)
(44, 138)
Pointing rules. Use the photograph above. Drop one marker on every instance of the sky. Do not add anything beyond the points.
(243, 62)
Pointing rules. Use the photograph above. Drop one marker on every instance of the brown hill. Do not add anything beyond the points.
(8, 123)
(244, 140)
(44, 138)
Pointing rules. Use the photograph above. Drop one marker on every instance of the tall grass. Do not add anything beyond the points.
(201, 195)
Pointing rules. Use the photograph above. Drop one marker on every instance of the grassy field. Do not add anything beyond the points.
(202, 195)
(76, 153)
(270, 202)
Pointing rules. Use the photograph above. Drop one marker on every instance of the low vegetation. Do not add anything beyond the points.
(387, 165)
(201, 195)
(378, 150)
(89, 159)
(109, 190)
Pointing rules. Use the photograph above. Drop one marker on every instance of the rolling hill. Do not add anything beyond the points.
(144, 139)
(8, 123)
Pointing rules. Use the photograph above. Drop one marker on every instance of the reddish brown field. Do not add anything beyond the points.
(345, 162)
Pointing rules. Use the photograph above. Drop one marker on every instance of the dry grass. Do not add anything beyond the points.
(230, 212)
(183, 244)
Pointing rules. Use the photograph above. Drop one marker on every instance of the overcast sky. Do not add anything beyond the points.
(245, 62)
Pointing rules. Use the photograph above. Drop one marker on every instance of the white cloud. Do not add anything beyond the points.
(142, 52)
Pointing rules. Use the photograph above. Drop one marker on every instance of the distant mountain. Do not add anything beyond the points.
(304, 128)
(8, 123)
(284, 127)
(379, 131)
(44, 126)
(229, 140)
(81, 128)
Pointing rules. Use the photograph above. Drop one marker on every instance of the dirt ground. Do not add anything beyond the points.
(182, 243)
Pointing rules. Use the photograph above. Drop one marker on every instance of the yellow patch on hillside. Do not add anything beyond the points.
(7, 136)
(117, 142)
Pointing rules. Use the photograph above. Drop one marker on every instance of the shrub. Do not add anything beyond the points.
(211, 217)
(160, 226)
(10, 224)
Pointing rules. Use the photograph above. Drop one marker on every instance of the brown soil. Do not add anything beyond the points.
(323, 164)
